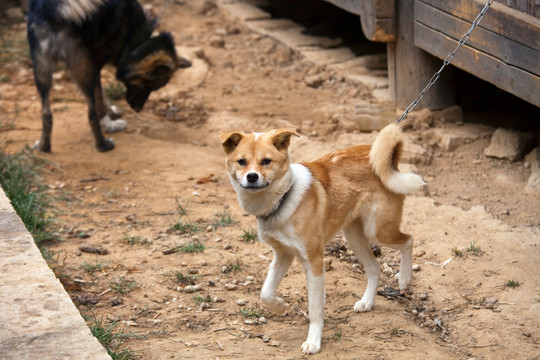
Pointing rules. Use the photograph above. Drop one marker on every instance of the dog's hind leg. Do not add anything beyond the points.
(405, 245)
(43, 66)
(277, 270)
(359, 243)
(87, 76)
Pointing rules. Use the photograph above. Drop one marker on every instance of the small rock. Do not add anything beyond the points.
(193, 271)
(508, 144)
(266, 339)
(423, 296)
(193, 288)
(533, 159)
(262, 320)
(315, 81)
(250, 278)
(230, 287)
(241, 302)
(533, 185)
(217, 41)
(420, 119)
(115, 301)
(275, 343)
(416, 267)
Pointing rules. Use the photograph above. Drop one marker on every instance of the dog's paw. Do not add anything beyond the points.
(106, 145)
(41, 147)
(403, 280)
(112, 126)
(363, 305)
(311, 346)
(277, 304)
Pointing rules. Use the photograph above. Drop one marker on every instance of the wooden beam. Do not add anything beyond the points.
(378, 19)
(507, 50)
(499, 19)
(509, 78)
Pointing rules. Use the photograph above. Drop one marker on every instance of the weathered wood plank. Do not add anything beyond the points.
(378, 19)
(500, 19)
(509, 78)
(410, 68)
(506, 50)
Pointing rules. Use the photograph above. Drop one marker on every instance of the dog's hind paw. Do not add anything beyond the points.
(41, 147)
(111, 126)
(311, 347)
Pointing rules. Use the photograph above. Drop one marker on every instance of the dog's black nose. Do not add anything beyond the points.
(252, 177)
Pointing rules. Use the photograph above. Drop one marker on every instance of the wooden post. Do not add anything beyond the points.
(410, 68)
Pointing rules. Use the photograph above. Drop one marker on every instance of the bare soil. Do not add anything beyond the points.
(163, 191)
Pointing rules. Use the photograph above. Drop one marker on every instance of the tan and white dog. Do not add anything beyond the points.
(300, 207)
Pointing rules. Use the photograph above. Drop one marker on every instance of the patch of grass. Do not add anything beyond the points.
(223, 219)
(474, 249)
(122, 286)
(229, 268)
(184, 228)
(337, 335)
(394, 331)
(251, 313)
(192, 247)
(115, 91)
(249, 235)
(512, 284)
(457, 252)
(202, 299)
(182, 224)
(111, 339)
(20, 180)
(132, 240)
(91, 268)
(185, 279)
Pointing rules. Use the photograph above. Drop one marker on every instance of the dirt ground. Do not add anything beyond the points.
(183, 270)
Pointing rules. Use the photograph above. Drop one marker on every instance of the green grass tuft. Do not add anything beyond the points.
(112, 340)
(20, 180)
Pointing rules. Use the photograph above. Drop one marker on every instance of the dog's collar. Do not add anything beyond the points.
(280, 205)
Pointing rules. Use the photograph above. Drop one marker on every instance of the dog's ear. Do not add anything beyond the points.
(230, 141)
(282, 138)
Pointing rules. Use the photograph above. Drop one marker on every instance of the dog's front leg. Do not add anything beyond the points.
(316, 300)
(278, 268)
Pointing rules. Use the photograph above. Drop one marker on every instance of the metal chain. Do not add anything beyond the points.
(447, 61)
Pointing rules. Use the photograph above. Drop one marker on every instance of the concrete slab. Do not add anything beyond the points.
(38, 319)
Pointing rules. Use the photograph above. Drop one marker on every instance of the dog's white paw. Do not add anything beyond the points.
(363, 305)
(111, 126)
(36, 145)
(403, 281)
(277, 304)
(311, 346)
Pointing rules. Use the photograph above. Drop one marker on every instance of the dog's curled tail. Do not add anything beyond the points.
(384, 158)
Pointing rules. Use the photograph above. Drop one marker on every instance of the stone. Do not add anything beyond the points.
(533, 158)
(508, 144)
(452, 137)
(421, 119)
(315, 81)
(533, 185)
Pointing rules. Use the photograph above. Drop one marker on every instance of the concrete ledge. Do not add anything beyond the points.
(38, 320)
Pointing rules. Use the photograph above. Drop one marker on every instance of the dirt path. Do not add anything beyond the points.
(164, 188)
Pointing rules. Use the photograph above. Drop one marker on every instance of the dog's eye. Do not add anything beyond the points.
(242, 162)
(266, 161)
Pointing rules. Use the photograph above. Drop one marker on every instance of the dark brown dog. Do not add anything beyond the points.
(87, 35)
